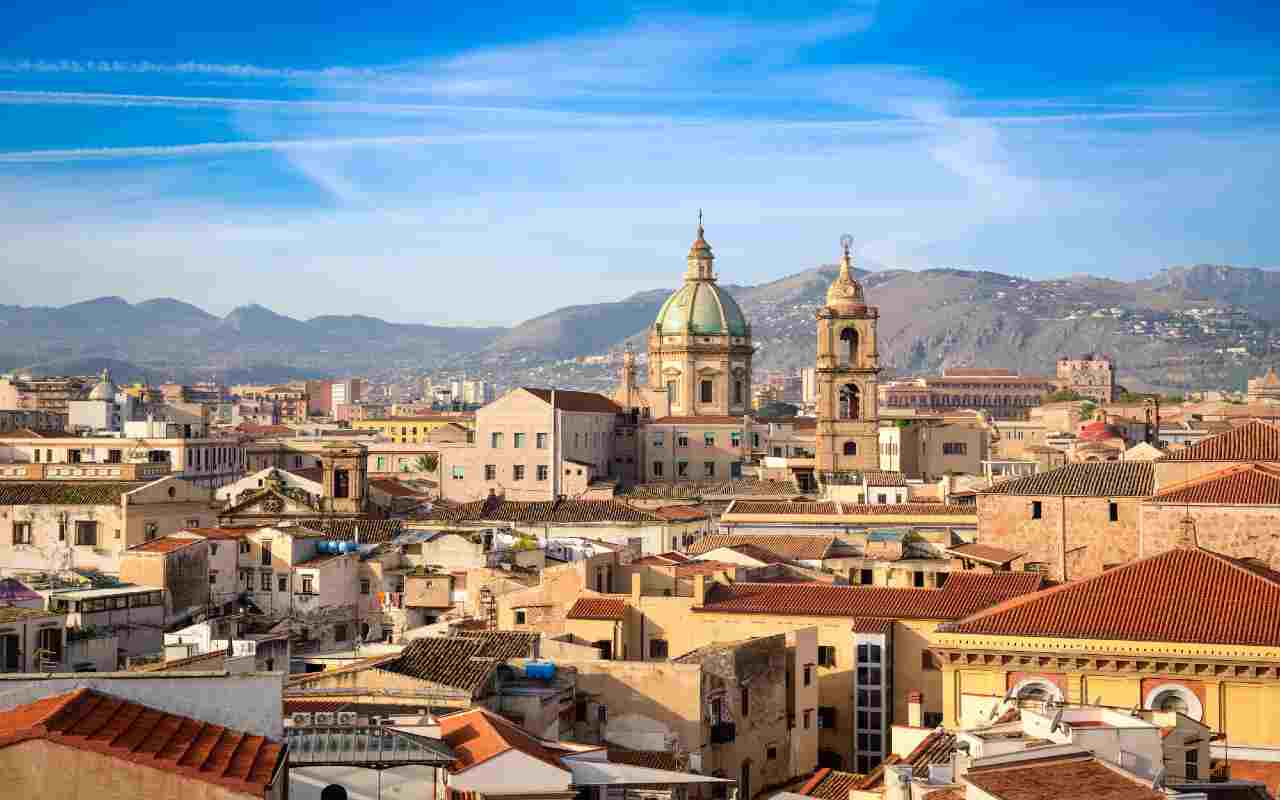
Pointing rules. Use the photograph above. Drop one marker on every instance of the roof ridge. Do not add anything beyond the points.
(1219, 474)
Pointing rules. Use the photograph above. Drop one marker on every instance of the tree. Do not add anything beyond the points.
(427, 462)
(1063, 396)
(775, 408)
(1087, 409)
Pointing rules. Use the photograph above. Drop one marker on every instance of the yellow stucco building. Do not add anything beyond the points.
(1187, 630)
(412, 430)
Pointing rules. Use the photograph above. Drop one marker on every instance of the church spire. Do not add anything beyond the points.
(700, 257)
(845, 292)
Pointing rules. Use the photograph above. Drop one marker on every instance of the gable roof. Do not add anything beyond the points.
(450, 661)
(831, 784)
(963, 594)
(164, 544)
(1256, 441)
(478, 735)
(840, 509)
(88, 720)
(1241, 485)
(695, 490)
(799, 547)
(1184, 595)
(371, 531)
(1090, 479)
(1073, 777)
(568, 400)
(614, 608)
(65, 493)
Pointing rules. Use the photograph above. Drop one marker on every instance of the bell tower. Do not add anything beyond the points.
(848, 368)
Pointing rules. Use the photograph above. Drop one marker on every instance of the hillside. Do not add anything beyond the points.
(1203, 325)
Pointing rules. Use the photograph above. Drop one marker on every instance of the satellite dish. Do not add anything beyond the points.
(1057, 721)
(1158, 782)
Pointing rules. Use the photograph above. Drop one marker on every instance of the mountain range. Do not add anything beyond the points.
(1205, 325)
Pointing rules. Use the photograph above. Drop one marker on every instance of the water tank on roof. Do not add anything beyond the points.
(540, 670)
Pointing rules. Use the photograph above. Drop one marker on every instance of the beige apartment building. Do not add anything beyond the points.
(206, 462)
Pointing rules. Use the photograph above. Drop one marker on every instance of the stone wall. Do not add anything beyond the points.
(1074, 537)
(1239, 531)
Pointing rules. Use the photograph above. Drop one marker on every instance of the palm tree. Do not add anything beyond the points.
(427, 462)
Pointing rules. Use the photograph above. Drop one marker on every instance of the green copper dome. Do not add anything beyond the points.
(703, 308)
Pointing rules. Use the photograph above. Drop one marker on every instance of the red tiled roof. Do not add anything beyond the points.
(567, 400)
(703, 568)
(682, 513)
(164, 544)
(1070, 778)
(1090, 479)
(1256, 441)
(614, 608)
(1240, 485)
(223, 533)
(1185, 595)
(963, 594)
(562, 511)
(761, 554)
(653, 759)
(697, 490)
(65, 493)
(985, 553)
(830, 784)
(88, 720)
(393, 488)
(851, 509)
(707, 420)
(478, 735)
(764, 507)
(788, 546)
(872, 625)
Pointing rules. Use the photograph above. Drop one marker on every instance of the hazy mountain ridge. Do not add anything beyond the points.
(1164, 331)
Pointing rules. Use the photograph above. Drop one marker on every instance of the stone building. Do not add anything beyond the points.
(1089, 375)
(1265, 389)
(1001, 393)
(1070, 522)
(848, 367)
(178, 562)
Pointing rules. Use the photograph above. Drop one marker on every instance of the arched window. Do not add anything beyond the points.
(850, 448)
(1037, 690)
(849, 401)
(1174, 697)
(848, 346)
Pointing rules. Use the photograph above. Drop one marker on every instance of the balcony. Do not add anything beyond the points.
(723, 732)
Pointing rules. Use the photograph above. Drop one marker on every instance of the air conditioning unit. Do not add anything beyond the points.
(347, 718)
(301, 719)
(324, 717)
(375, 721)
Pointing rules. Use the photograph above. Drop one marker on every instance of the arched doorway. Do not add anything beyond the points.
(850, 448)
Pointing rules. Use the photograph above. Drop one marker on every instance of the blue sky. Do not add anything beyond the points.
(476, 163)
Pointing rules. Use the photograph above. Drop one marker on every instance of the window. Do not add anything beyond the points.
(540, 441)
(735, 469)
(308, 584)
(735, 439)
(86, 532)
(850, 448)
(244, 546)
(709, 469)
(520, 616)
(705, 393)
(266, 553)
(1191, 763)
(364, 586)
(340, 632)
(602, 714)
(682, 438)
(954, 448)
(771, 754)
(459, 473)
(657, 440)
(266, 581)
(1037, 509)
(213, 577)
(850, 402)
(341, 483)
(806, 716)
(517, 440)
(932, 719)
(37, 452)
(746, 702)
(495, 441)
(866, 577)
(542, 472)
(917, 579)
(517, 472)
(193, 523)
(490, 472)
(926, 661)
(682, 469)
(708, 440)
(658, 648)
(151, 530)
(657, 469)
(22, 533)
(808, 676)
(114, 456)
(882, 498)
(738, 393)
(849, 351)
(73, 456)
(1114, 511)
(826, 717)
(282, 583)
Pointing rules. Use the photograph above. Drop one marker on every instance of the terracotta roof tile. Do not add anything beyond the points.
(450, 661)
(370, 530)
(695, 490)
(478, 735)
(761, 554)
(787, 546)
(1185, 595)
(504, 644)
(851, 509)
(709, 419)
(1257, 441)
(562, 511)
(682, 513)
(567, 400)
(393, 488)
(614, 608)
(653, 759)
(985, 553)
(1072, 778)
(65, 493)
(88, 720)
(223, 533)
(1093, 479)
(758, 507)
(164, 544)
(872, 625)
(963, 594)
(1242, 485)
(831, 784)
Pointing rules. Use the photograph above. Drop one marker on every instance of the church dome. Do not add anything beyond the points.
(701, 307)
(845, 293)
(104, 389)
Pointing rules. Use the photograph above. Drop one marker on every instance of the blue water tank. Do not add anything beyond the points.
(540, 670)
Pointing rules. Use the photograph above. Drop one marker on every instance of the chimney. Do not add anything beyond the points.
(1186, 536)
(699, 590)
(915, 709)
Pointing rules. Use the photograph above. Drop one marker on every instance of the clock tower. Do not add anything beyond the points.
(848, 368)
